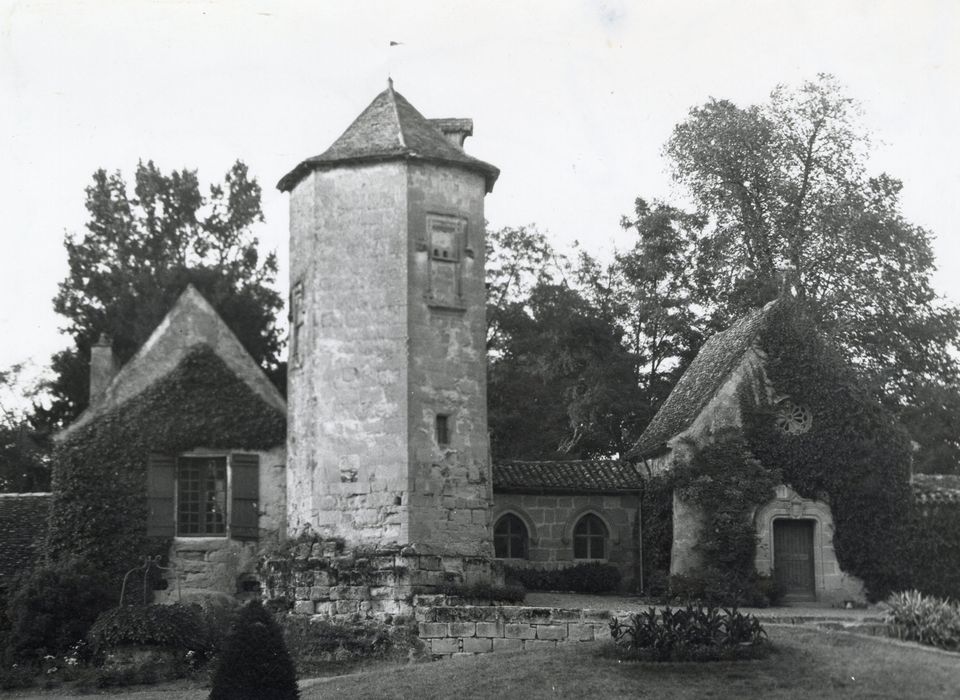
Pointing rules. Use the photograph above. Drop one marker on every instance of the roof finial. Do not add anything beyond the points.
(389, 83)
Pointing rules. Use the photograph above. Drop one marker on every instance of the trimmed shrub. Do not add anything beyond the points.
(484, 592)
(715, 586)
(925, 619)
(175, 627)
(582, 578)
(53, 608)
(255, 664)
(689, 634)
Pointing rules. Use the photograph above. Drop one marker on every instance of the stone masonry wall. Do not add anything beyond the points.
(347, 384)
(450, 485)
(332, 579)
(468, 630)
(550, 519)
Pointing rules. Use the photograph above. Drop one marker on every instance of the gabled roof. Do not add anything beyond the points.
(191, 322)
(390, 129)
(936, 488)
(574, 475)
(23, 528)
(718, 357)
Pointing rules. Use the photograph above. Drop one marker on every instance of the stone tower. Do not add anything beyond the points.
(387, 423)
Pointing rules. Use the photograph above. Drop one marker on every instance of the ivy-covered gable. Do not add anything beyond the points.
(833, 442)
(99, 480)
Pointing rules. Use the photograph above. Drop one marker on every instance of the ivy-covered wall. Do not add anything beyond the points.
(99, 480)
(854, 456)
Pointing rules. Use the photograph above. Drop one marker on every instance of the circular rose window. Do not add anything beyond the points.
(793, 419)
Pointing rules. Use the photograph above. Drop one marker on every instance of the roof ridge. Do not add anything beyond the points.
(392, 96)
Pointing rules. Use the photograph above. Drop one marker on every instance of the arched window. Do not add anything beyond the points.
(510, 538)
(589, 538)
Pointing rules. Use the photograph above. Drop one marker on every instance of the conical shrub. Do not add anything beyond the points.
(255, 664)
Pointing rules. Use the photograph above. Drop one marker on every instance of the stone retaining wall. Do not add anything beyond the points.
(326, 578)
(467, 630)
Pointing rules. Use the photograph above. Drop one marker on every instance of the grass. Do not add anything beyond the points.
(807, 663)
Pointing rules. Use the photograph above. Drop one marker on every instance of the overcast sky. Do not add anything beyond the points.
(572, 100)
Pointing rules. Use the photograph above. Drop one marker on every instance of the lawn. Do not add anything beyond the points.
(807, 663)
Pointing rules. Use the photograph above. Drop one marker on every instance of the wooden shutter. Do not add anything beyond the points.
(245, 486)
(161, 480)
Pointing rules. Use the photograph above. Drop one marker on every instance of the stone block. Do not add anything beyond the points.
(519, 631)
(462, 629)
(320, 593)
(428, 630)
(462, 653)
(579, 633)
(429, 562)
(555, 632)
(507, 644)
(489, 629)
(304, 607)
(478, 645)
(444, 645)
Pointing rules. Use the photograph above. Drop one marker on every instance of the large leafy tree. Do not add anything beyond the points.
(785, 191)
(139, 251)
(561, 382)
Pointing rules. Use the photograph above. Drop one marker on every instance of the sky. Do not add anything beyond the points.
(572, 99)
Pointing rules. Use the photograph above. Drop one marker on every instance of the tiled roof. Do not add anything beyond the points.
(390, 129)
(936, 488)
(574, 475)
(719, 356)
(23, 526)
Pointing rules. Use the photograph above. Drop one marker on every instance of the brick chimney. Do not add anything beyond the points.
(456, 130)
(103, 367)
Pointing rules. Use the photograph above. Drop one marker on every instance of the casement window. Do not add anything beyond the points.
(589, 538)
(510, 537)
(203, 495)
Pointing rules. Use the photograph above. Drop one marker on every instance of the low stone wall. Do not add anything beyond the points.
(467, 630)
(325, 578)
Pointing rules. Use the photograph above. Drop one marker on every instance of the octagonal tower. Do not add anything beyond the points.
(387, 418)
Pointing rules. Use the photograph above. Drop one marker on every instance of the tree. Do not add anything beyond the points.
(137, 255)
(562, 384)
(24, 451)
(648, 290)
(785, 192)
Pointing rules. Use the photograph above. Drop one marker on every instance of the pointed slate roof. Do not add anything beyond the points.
(597, 475)
(390, 129)
(192, 321)
(718, 357)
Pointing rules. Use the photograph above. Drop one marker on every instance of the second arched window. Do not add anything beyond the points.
(590, 538)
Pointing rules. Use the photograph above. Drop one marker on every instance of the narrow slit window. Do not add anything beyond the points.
(443, 430)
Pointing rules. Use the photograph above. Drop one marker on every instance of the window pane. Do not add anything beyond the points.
(510, 538)
(201, 496)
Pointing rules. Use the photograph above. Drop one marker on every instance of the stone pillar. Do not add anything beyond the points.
(687, 526)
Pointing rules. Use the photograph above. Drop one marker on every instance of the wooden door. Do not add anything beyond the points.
(793, 557)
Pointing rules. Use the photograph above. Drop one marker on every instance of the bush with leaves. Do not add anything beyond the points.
(581, 578)
(925, 619)
(54, 606)
(689, 634)
(255, 664)
(175, 627)
(721, 587)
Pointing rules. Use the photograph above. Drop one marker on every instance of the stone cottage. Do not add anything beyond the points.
(795, 534)
(217, 504)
